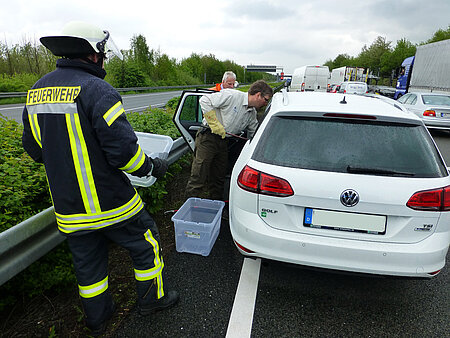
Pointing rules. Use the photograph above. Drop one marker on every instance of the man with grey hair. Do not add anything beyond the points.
(228, 81)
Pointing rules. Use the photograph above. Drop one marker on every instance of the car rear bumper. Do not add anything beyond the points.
(420, 259)
(435, 123)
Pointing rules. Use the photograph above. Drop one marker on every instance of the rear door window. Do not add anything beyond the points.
(403, 98)
(337, 145)
(411, 99)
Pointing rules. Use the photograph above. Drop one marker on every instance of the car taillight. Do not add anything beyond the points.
(261, 183)
(431, 113)
(431, 200)
(303, 87)
(350, 116)
(249, 179)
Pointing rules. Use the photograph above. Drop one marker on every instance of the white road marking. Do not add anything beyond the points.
(241, 318)
(9, 108)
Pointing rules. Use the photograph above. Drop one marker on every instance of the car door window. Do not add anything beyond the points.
(410, 99)
(188, 116)
(191, 111)
(404, 98)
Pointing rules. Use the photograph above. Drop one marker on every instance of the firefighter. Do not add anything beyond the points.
(75, 124)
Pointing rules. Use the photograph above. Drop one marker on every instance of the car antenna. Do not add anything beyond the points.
(343, 101)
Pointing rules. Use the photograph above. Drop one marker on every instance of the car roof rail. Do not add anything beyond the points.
(285, 96)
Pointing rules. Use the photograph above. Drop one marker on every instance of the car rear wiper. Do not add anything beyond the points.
(362, 170)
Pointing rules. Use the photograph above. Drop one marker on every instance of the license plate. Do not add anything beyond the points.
(345, 221)
(446, 115)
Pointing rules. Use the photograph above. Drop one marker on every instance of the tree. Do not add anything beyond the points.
(141, 53)
(340, 61)
(392, 60)
(194, 66)
(440, 35)
(213, 68)
(164, 71)
(371, 57)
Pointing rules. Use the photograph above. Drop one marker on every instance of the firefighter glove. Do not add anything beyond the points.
(214, 124)
(159, 167)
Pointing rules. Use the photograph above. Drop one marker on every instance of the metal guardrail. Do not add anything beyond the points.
(28, 241)
(132, 89)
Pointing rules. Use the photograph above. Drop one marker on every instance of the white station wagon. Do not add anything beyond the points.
(342, 182)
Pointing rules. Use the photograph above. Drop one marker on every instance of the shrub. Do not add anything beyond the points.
(172, 104)
(17, 82)
(23, 184)
(154, 120)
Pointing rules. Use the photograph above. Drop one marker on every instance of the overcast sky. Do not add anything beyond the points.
(285, 33)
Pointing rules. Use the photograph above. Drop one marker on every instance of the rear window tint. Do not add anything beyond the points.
(335, 144)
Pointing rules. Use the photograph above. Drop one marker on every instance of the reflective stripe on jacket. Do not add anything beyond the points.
(74, 122)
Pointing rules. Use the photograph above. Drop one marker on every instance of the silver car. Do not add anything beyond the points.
(432, 108)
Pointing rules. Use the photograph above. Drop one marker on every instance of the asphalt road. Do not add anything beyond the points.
(136, 103)
(225, 295)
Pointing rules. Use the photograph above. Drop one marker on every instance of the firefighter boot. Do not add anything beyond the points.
(99, 329)
(148, 301)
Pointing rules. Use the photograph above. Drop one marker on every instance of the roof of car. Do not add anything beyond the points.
(333, 103)
(429, 93)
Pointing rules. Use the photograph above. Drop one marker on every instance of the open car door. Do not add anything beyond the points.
(188, 115)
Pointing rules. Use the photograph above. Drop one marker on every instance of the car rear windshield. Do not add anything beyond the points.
(348, 145)
(356, 86)
(436, 99)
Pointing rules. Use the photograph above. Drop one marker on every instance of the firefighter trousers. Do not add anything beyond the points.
(140, 237)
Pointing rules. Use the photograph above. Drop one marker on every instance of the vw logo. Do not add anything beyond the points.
(349, 198)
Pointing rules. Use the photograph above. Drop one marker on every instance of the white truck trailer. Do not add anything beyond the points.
(310, 78)
(431, 69)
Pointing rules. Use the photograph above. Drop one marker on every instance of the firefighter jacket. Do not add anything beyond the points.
(75, 124)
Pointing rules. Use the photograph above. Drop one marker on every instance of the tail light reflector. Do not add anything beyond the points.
(431, 113)
(431, 200)
(243, 248)
(434, 273)
(261, 183)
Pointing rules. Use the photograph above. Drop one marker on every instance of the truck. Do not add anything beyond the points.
(427, 71)
(310, 78)
(346, 73)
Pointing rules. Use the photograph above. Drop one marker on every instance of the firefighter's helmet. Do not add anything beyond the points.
(79, 39)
